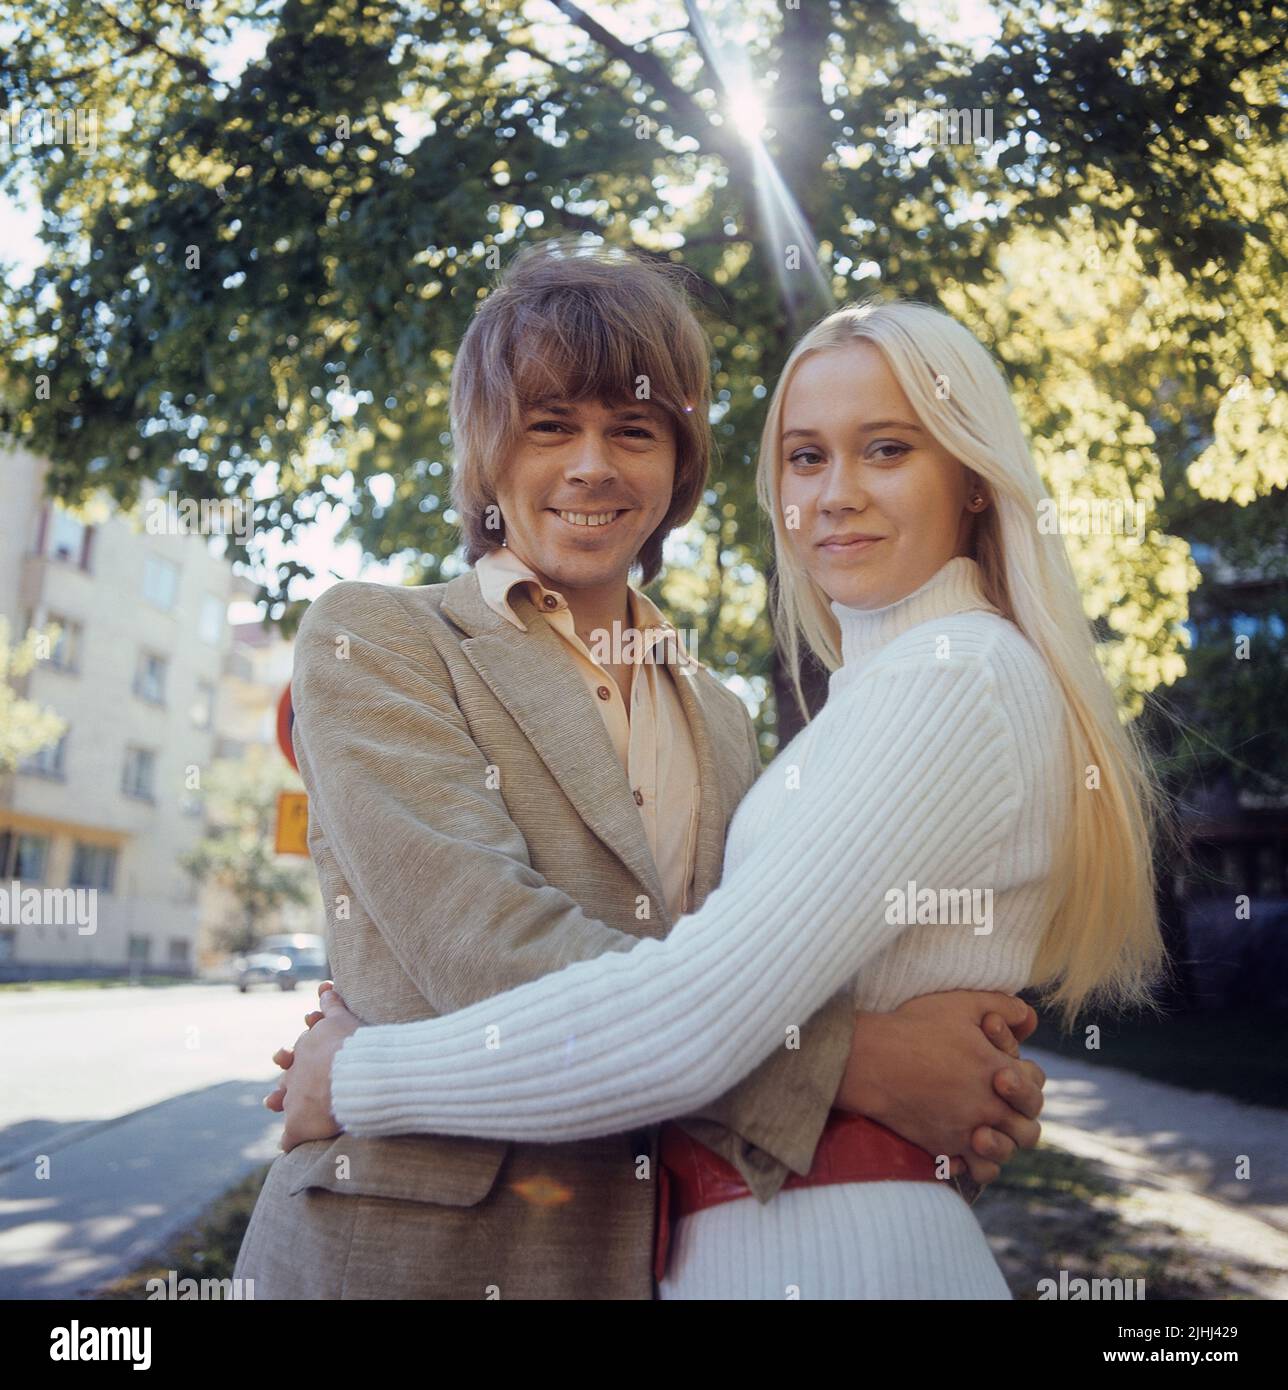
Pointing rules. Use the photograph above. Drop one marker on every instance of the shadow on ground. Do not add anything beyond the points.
(1052, 1211)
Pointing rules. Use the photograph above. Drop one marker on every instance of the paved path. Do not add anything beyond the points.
(124, 1113)
(1182, 1153)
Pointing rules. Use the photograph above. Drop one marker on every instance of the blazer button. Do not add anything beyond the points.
(604, 693)
(639, 797)
(549, 601)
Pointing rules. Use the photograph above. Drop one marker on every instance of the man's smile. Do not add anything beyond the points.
(584, 521)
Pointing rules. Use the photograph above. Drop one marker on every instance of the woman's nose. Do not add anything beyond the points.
(841, 493)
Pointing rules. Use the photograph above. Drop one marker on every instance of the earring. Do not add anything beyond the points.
(976, 501)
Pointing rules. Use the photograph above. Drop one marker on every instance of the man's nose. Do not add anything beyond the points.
(591, 461)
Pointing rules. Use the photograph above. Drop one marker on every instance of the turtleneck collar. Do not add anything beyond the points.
(958, 587)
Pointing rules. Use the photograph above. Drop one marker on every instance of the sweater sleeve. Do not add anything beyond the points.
(912, 778)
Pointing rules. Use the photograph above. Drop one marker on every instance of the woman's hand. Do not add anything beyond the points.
(303, 1094)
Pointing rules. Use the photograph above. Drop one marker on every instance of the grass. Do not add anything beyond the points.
(207, 1251)
(1236, 1053)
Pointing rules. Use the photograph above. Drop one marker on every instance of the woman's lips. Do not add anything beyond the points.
(847, 547)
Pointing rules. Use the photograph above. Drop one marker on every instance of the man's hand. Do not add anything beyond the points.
(303, 1094)
(944, 1070)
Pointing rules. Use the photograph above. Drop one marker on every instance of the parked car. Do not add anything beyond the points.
(283, 961)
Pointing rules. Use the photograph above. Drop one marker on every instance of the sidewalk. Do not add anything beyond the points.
(120, 1191)
(1192, 1138)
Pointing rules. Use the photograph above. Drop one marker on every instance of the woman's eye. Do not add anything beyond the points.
(806, 458)
(889, 453)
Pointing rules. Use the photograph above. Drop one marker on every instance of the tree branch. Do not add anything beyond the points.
(646, 66)
(713, 239)
(146, 39)
(75, 76)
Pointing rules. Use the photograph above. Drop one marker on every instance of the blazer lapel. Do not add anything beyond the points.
(715, 750)
(534, 677)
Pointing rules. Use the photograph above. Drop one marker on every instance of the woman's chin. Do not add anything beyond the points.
(850, 592)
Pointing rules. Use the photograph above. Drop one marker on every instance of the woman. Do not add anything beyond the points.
(967, 811)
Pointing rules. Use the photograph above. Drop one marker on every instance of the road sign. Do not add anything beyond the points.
(292, 823)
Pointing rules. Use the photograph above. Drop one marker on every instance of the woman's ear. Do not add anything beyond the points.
(976, 493)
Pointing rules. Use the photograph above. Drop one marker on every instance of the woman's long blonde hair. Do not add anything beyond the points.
(1102, 946)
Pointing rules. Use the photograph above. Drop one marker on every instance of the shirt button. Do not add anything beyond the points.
(549, 601)
(604, 693)
(639, 797)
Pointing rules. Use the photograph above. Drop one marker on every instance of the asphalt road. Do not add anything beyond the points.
(123, 1113)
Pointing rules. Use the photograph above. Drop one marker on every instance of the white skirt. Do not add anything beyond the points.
(907, 1240)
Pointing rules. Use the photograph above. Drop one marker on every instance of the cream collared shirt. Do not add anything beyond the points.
(652, 737)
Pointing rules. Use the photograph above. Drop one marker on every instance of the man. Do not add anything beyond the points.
(498, 789)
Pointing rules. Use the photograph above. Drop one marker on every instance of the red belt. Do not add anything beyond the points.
(853, 1148)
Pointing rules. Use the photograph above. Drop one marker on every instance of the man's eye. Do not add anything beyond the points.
(638, 430)
(547, 425)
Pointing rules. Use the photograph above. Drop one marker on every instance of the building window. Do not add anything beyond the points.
(203, 707)
(50, 761)
(160, 582)
(23, 856)
(8, 944)
(149, 679)
(66, 653)
(67, 539)
(30, 856)
(212, 620)
(93, 866)
(178, 950)
(140, 949)
(140, 773)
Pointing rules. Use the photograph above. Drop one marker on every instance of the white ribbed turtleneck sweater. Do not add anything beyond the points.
(937, 761)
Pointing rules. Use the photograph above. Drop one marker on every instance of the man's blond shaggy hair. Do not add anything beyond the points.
(573, 323)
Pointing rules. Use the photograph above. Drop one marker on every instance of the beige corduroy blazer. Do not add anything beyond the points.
(472, 829)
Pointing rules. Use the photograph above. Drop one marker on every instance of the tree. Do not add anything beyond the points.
(236, 853)
(270, 273)
(25, 726)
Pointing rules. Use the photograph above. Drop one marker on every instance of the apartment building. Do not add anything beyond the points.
(116, 802)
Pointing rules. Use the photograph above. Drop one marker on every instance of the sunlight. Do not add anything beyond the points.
(746, 110)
